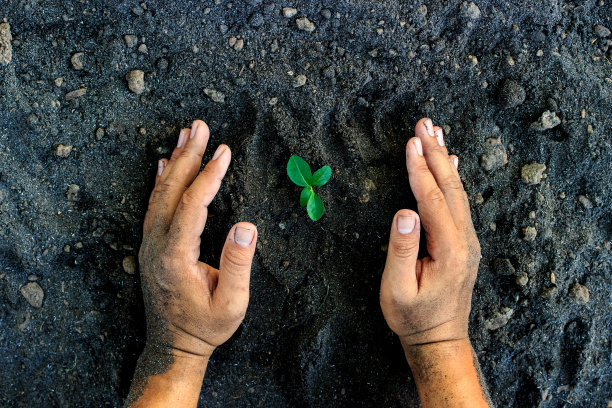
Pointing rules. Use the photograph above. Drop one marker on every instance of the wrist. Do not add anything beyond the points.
(438, 352)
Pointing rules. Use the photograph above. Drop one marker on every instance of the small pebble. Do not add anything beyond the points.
(59, 81)
(532, 173)
(130, 40)
(478, 198)
(239, 45)
(522, 279)
(6, 45)
(33, 293)
(135, 80)
(579, 293)
(299, 81)
(142, 48)
(289, 12)
(586, 203)
(529, 234)
(305, 24)
(77, 61)
(547, 120)
(470, 10)
(76, 94)
(503, 266)
(256, 20)
(72, 193)
(326, 13)
(216, 96)
(129, 265)
(511, 94)
(499, 319)
(63, 150)
(602, 31)
(495, 155)
(550, 293)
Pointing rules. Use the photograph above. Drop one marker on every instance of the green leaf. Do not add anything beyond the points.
(305, 196)
(321, 176)
(299, 171)
(315, 207)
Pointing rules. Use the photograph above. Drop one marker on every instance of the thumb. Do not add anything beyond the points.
(232, 292)
(400, 270)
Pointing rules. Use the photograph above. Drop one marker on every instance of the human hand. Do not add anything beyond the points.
(191, 307)
(428, 300)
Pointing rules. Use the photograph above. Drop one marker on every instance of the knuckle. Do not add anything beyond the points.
(452, 183)
(434, 195)
(405, 248)
(191, 199)
(237, 261)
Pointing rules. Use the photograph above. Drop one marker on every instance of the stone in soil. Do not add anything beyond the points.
(579, 293)
(77, 61)
(77, 93)
(522, 279)
(305, 24)
(129, 265)
(216, 96)
(33, 293)
(289, 12)
(586, 203)
(63, 150)
(470, 10)
(130, 40)
(548, 120)
(256, 20)
(495, 155)
(6, 45)
(511, 94)
(532, 173)
(602, 31)
(529, 234)
(499, 319)
(299, 80)
(135, 80)
(72, 193)
(503, 266)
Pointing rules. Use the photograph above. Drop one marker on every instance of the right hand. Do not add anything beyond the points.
(428, 300)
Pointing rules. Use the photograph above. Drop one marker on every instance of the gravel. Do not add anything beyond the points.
(579, 293)
(529, 234)
(135, 80)
(77, 93)
(63, 150)
(305, 24)
(602, 31)
(33, 293)
(289, 12)
(130, 265)
(216, 96)
(130, 40)
(547, 120)
(495, 155)
(532, 173)
(511, 94)
(77, 61)
(500, 319)
(470, 10)
(299, 81)
(72, 192)
(6, 46)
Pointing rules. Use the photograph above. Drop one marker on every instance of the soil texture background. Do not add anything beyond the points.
(523, 91)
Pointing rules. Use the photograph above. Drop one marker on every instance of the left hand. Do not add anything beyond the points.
(191, 307)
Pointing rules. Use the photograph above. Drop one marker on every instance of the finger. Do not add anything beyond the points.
(399, 275)
(180, 144)
(455, 162)
(161, 165)
(434, 213)
(192, 210)
(445, 175)
(232, 294)
(179, 174)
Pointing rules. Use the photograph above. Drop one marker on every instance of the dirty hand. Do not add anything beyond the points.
(191, 307)
(428, 300)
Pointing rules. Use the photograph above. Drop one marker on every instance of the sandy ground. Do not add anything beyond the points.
(341, 84)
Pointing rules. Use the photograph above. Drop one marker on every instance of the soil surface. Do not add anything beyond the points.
(513, 84)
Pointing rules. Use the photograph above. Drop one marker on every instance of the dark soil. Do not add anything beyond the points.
(314, 335)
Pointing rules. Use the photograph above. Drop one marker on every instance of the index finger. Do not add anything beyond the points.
(433, 210)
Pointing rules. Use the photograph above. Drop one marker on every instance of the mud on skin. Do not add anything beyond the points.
(346, 94)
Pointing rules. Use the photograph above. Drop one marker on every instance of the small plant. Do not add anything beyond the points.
(299, 172)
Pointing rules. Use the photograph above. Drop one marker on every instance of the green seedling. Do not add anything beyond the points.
(299, 172)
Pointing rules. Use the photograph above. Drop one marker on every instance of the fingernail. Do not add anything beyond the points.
(160, 167)
(405, 224)
(220, 150)
(181, 139)
(440, 137)
(429, 127)
(419, 146)
(456, 162)
(194, 127)
(243, 236)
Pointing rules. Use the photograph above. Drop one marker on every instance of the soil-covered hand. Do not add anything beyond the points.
(428, 300)
(191, 307)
